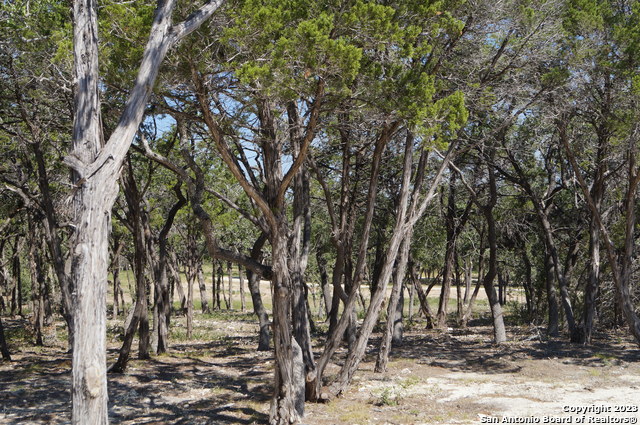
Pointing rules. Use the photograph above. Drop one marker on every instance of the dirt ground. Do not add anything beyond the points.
(457, 377)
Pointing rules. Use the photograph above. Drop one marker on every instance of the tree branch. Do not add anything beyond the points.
(194, 20)
(306, 142)
(235, 206)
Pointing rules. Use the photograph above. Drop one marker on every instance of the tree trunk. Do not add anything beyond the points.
(468, 280)
(144, 335)
(400, 232)
(593, 282)
(553, 325)
(287, 404)
(229, 297)
(299, 257)
(324, 283)
(422, 297)
(393, 315)
(499, 332)
(4, 349)
(115, 273)
(92, 201)
(163, 304)
(214, 291)
(555, 271)
(254, 289)
(177, 281)
(458, 280)
(89, 272)
(412, 291)
(203, 290)
(37, 286)
(593, 279)
(17, 273)
(243, 305)
(219, 285)
(263, 318)
(398, 320)
(469, 306)
(134, 218)
(191, 276)
(96, 168)
(53, 240)
(163, 299)
(449, 258)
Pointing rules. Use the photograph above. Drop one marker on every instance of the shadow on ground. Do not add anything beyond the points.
(226, 381)
(179, 388)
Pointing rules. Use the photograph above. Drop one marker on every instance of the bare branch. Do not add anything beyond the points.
(310, 133)
(194, 20)
(235, 206)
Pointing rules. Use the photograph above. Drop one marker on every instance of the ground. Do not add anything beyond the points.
(218, 377)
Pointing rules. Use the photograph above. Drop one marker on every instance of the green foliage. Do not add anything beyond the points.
(283, 47)
(583, 16)
(379, 53)
(124, 30)
(555, 77)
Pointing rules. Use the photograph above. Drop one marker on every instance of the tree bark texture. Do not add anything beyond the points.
(300, 247)
(287, 404)
(96, 167)
(92, 213)
(499, 332)
(393, 316)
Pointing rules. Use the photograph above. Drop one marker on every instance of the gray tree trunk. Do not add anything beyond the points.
(229, 299)
(553, 323)
(422, 297)
(203, 290)
(243, 305)
(299, 257)
(401, 263)
(96, 167)
(499, 332)
(393, 315)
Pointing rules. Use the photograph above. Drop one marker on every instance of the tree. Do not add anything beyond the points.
(36, 114)
(601, 40)
(96, 165)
